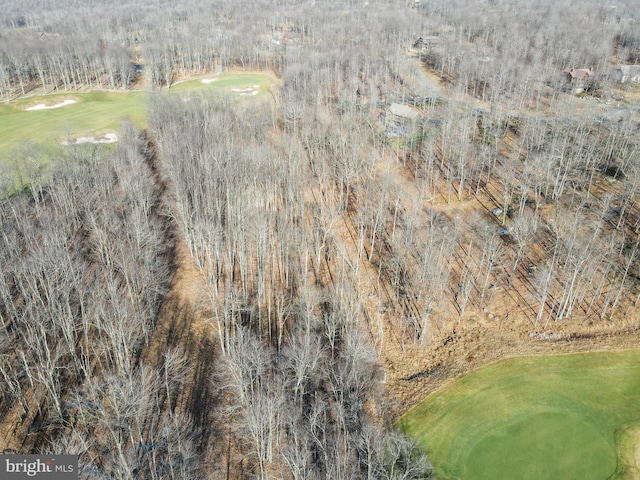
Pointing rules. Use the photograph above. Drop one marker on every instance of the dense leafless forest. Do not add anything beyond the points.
(259, 288)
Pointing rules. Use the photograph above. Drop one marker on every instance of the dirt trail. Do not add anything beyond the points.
(178, 324)
(181, 321)
(186, 284)
(178, 320)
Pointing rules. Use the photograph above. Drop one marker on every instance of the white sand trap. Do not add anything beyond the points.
(106, 138)
(255, 92)
(243, 90)
(209, 80)
(42, 106)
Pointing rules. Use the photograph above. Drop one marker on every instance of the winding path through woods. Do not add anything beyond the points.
(475, 105)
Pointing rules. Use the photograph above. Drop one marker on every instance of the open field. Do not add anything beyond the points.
(555, 417)
(97, 113)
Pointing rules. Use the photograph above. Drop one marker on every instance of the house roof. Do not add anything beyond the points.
(48, 36)
(403, 111)
(428, 38)
(578, 72)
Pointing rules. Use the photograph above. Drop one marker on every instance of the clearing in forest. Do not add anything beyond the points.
(563, 416)
(96, 114)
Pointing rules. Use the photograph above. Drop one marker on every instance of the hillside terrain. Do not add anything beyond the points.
(243, 239)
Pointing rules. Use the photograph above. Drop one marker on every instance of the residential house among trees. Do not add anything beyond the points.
(401, 119)
(579, 79)
(577, 75)
(425, 42)
(627, 73)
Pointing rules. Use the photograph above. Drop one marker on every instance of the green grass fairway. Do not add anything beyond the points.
(567, 417)
(92, 113)
(100, 112)
(229, 82)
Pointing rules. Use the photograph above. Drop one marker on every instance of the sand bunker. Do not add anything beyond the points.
(106, 138)
(209, 80)
(252, 90)
(42, 106)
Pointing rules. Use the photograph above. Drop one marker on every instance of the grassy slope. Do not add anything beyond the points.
(544, 417)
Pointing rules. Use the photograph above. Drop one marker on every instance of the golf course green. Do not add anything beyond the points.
(100, 112)
(564, 417)
(242, 84)
(91, 113)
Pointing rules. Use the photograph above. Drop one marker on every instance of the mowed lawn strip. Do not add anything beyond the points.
(539, 417)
